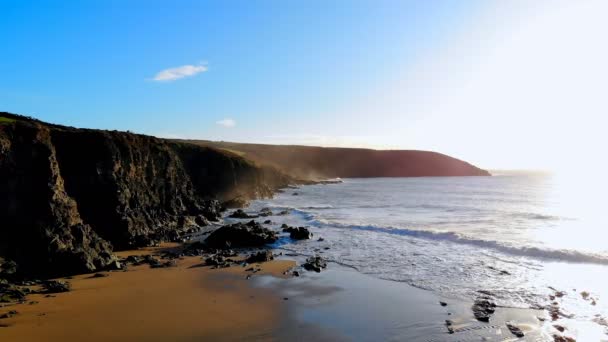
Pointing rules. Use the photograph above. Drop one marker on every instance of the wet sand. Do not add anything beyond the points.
(190, 302)
(182, 303)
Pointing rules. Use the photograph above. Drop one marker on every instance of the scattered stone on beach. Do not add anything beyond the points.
(298, 233)
(169, 263)
(295, 273)
(559, 328)
(483, 308)
(443, 303)
(217, 261)
(315, 263)
(515, 330)
(10, 293)
(556, 312)
(284, 212)
(268, 222)
(448, 325)
(585, 295)
(262, 256)
(295, 194)
(558, 338)
(239, 235)
(8, 314)
(55, 286)
(99, 275)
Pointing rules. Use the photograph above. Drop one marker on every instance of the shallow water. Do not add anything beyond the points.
(513, 235)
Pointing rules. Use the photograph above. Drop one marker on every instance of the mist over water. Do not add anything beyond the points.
(515, 235)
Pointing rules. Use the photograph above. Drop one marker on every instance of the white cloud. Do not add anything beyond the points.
(226, 123)
(176, 73)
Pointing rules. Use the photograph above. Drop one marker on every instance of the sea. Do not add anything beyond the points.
(520, 236)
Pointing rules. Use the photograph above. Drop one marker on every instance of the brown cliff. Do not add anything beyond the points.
(68, 195)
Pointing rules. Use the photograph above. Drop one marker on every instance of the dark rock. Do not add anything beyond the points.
(99, 275)
(295, 194)
(299, 233)
(201, 220)
(295, 273)
(169, 263)
(483, 308)
(8, 314)
(240, 214)
(266, 212)
(239, 235)
(443, 303)
(268, 222)
(284, 212)
(11, 293)
(315, 263)
(262, 256)
(559, 327)
(321, 239)
(55, 286)
(218, 261)
(558, 338)
(515, 330)
(448, 325)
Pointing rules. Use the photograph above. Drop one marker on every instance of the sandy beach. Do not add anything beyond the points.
(182, 303)
(192, 302)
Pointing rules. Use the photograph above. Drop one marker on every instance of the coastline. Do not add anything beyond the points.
(190, 301)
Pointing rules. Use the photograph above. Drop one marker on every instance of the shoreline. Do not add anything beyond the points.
(189, 301)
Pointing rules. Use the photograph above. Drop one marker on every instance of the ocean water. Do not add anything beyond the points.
(520, 236)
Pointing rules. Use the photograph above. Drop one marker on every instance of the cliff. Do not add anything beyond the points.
(69, 196)
(330, 162)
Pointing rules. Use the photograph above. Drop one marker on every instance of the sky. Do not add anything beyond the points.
(501, 84)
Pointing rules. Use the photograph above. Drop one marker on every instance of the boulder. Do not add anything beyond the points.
(266, 212)
(262, 256)
(515, 330)
(239, 235)
(240, 214)
(483, 308)
(55, 286)
(299, 233)
(315, 263)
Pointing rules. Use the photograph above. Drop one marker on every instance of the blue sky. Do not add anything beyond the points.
(345, 73)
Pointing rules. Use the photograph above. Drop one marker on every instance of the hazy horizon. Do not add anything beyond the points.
(502, 85)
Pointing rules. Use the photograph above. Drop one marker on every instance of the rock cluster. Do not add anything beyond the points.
(240, 235)
(315, 263)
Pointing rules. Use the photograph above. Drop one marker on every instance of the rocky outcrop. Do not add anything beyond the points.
(69, 196)
(239, 235)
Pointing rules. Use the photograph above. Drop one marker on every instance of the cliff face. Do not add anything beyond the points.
(328, 162)
(68, 195)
